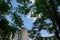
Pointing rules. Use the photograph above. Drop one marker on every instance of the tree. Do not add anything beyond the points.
(49, 11)
(6, 27)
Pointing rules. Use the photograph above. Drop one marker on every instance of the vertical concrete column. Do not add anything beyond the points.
(52, 38)
(48, 38)
(24, 34)
(32, 38)
(43, 38)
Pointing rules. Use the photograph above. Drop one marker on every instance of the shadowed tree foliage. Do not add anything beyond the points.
(24, 7)
(17, 19)
(6, 8)
(47, 17)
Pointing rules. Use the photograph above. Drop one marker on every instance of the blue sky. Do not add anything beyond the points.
(29, 21)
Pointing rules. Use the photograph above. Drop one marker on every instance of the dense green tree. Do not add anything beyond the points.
(6, 27)
(47, 10)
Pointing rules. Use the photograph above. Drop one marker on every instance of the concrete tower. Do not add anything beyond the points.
(24, 34)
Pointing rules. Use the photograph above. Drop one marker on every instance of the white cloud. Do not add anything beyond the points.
(34, 18)
(32, 1)
(48, 35)
(29, 16)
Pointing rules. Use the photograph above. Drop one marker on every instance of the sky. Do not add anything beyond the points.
(28, 21)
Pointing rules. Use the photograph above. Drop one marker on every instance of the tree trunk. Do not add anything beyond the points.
(56, 31)
(54, 16)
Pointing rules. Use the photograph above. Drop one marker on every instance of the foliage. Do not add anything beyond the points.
(17, 19)
(24, 7)
(4, 7)
(6, 27)
(49, 11)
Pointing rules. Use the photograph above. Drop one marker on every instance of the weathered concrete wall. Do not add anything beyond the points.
(24, 34)
(21, 36)
(17, 36)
